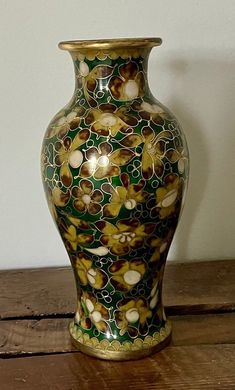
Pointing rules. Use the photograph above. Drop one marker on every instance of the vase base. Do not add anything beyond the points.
(121, 355)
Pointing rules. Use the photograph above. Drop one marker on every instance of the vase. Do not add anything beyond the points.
(114, 169)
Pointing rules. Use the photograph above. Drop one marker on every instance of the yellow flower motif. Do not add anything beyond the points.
(154, 150)
(63, 122)
(103, 163)
(160, 245)
(82, 319)
(109, 120)
(167, 197)
(72, 237)
(130, 84)
(68, 154)
(75, 239)
(179, 155)
(95, 312)
(87, 273)
(153, 112)
(128, 196)
(79, 223)
(131, 316)
(87, 79)
(58, 198)
(126, 235)
(126, 274)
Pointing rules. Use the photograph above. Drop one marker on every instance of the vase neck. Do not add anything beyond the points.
(119, 74)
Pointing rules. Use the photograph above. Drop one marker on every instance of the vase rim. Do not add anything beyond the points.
(113, 43)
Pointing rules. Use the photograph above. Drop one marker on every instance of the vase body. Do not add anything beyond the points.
(115, 168)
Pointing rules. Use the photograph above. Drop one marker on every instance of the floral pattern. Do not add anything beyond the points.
(72, 238)
(127, 195)
(160, 245)
(63, 122)
(68, 155)
(109, 120)
(167, 197)
(86, 198)
(126, 274)
(131, 316)
(58, 198)
(153, 152)
(129, 84)
(87, 273)
(103, 163)
(126, 235)
(152, 112)
(155, 303)
(94, 311)
(88, 79)
(115, 167)
(179, 155)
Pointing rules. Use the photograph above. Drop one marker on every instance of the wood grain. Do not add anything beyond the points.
(204, 329)
(37, 292)
(185, 368)
(202, 287)
(26, 337)
(188, 288)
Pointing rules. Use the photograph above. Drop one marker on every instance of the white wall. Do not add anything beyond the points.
(192, 73)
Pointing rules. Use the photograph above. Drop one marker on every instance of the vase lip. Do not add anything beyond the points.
(111, 43)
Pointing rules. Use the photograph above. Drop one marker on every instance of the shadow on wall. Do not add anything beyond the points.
(203, 101)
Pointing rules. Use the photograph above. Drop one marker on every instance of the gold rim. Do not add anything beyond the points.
(110, 43)
(120, 355)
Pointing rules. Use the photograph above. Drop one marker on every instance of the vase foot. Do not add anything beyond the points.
(108, 354)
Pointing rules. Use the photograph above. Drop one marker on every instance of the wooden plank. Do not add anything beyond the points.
(188, 288)
(25, 337)
(204, 329)
(200, 287)
(185, 368)
(37, 292)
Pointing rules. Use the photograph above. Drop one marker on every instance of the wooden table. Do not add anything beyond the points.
(37, 305)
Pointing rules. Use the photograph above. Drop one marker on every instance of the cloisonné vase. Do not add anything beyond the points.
(114, 168)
